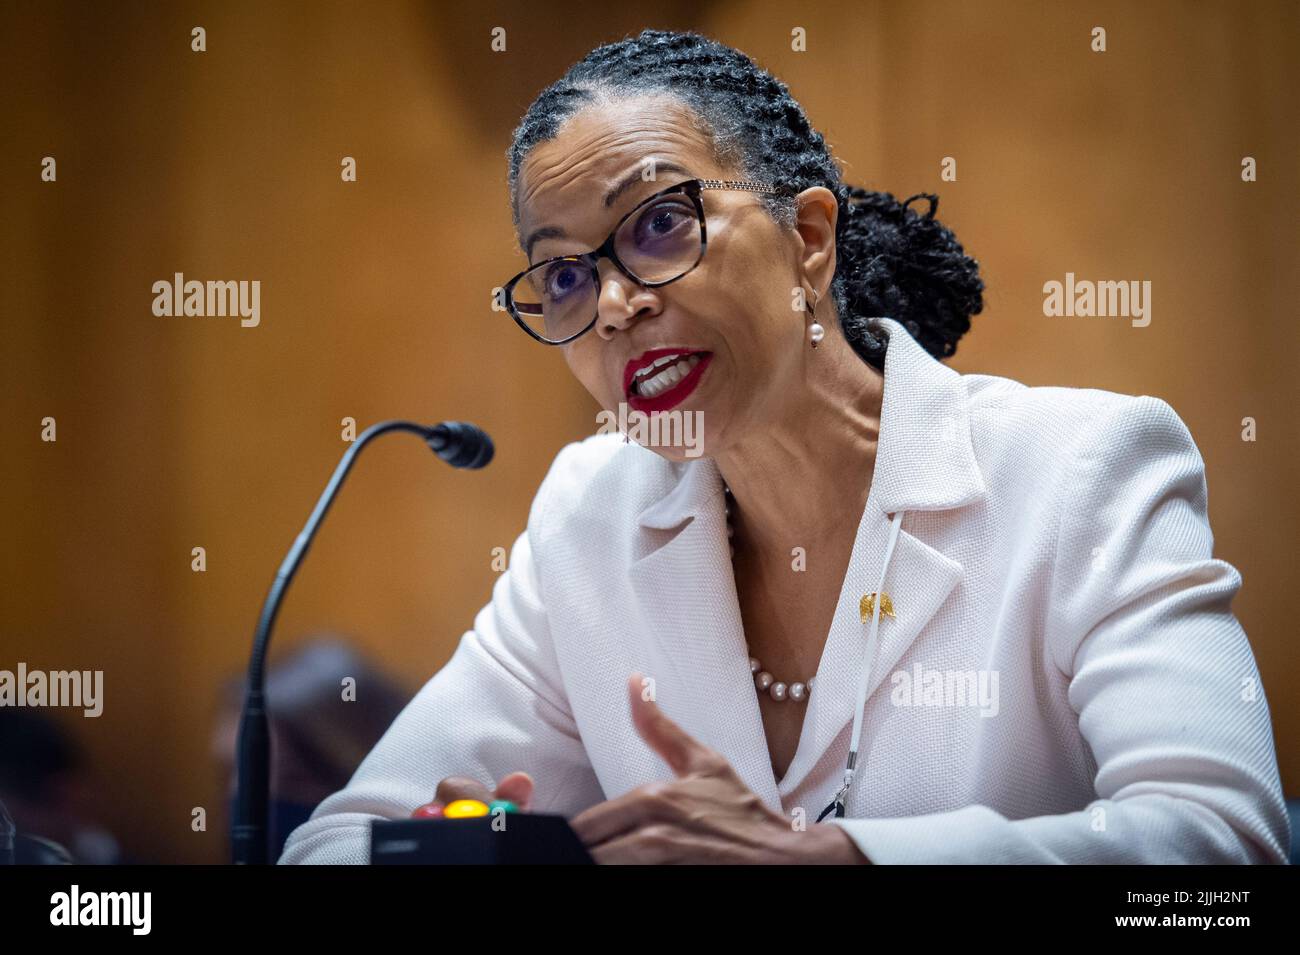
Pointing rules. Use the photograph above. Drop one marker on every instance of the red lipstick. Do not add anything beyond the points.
(674, 395)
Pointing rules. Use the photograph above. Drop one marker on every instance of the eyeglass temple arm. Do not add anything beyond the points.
(743, 185)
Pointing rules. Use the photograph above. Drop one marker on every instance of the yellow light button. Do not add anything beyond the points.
(464, 809)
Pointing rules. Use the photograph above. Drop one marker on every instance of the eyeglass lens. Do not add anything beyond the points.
(657, 243)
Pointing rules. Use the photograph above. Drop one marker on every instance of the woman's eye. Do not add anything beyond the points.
(661, 221)
(560, 280)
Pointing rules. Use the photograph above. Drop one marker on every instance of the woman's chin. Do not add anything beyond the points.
(678, 434)
(689, 445)
(676, 453)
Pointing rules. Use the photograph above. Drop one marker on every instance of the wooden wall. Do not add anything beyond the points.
(183, 432)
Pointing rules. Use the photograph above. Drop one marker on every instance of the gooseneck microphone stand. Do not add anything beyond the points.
(461, 445)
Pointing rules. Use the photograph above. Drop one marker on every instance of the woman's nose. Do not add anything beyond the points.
(621, 302)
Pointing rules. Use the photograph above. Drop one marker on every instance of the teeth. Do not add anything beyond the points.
(645, 372)
(666, 378)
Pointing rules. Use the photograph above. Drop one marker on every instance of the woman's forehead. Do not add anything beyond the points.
(597, 149)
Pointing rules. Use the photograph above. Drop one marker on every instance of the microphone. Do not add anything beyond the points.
(460, 444)
(8, 834)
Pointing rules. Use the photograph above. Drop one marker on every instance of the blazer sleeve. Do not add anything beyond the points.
(1161, 677)
(498, 706)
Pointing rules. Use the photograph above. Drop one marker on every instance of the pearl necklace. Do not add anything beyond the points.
(764, 682)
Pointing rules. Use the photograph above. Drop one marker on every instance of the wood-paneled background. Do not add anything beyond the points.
(183, 432)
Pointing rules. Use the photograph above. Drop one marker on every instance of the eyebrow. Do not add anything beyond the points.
(555, 232)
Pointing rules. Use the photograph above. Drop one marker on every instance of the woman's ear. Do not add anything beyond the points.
(815, 222)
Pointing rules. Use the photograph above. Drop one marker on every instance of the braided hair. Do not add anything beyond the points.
(890, 259)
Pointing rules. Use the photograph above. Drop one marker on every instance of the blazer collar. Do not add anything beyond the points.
(686, 592)
(924, 458)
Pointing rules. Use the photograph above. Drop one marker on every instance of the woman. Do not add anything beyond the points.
(958, 619)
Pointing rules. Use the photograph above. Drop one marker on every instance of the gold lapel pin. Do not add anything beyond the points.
(867, 606)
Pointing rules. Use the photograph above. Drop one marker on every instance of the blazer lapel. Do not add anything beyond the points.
(685, 591)
(686, 596)
(924, 462)
(919, 580)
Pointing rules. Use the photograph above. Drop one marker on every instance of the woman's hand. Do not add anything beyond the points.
(705, 815)
(516, 787)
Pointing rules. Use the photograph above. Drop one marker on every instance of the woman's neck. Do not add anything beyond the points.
(797, 475)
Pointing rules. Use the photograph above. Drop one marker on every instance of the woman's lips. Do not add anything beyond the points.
(674, 395)
(649, 358)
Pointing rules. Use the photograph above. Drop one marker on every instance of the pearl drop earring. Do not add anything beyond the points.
(815, 332)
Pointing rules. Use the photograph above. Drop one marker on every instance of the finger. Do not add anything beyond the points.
(678, 748)
(617, 816)
(630, 848)
(665, 847)
(518, 788)
(461, 787)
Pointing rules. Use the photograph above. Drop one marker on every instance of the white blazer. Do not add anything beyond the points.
(1054, 551)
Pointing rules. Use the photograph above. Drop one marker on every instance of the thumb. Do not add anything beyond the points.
(679, 749)
(518, 789)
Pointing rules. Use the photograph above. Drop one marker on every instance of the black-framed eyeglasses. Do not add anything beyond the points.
(662, 239)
